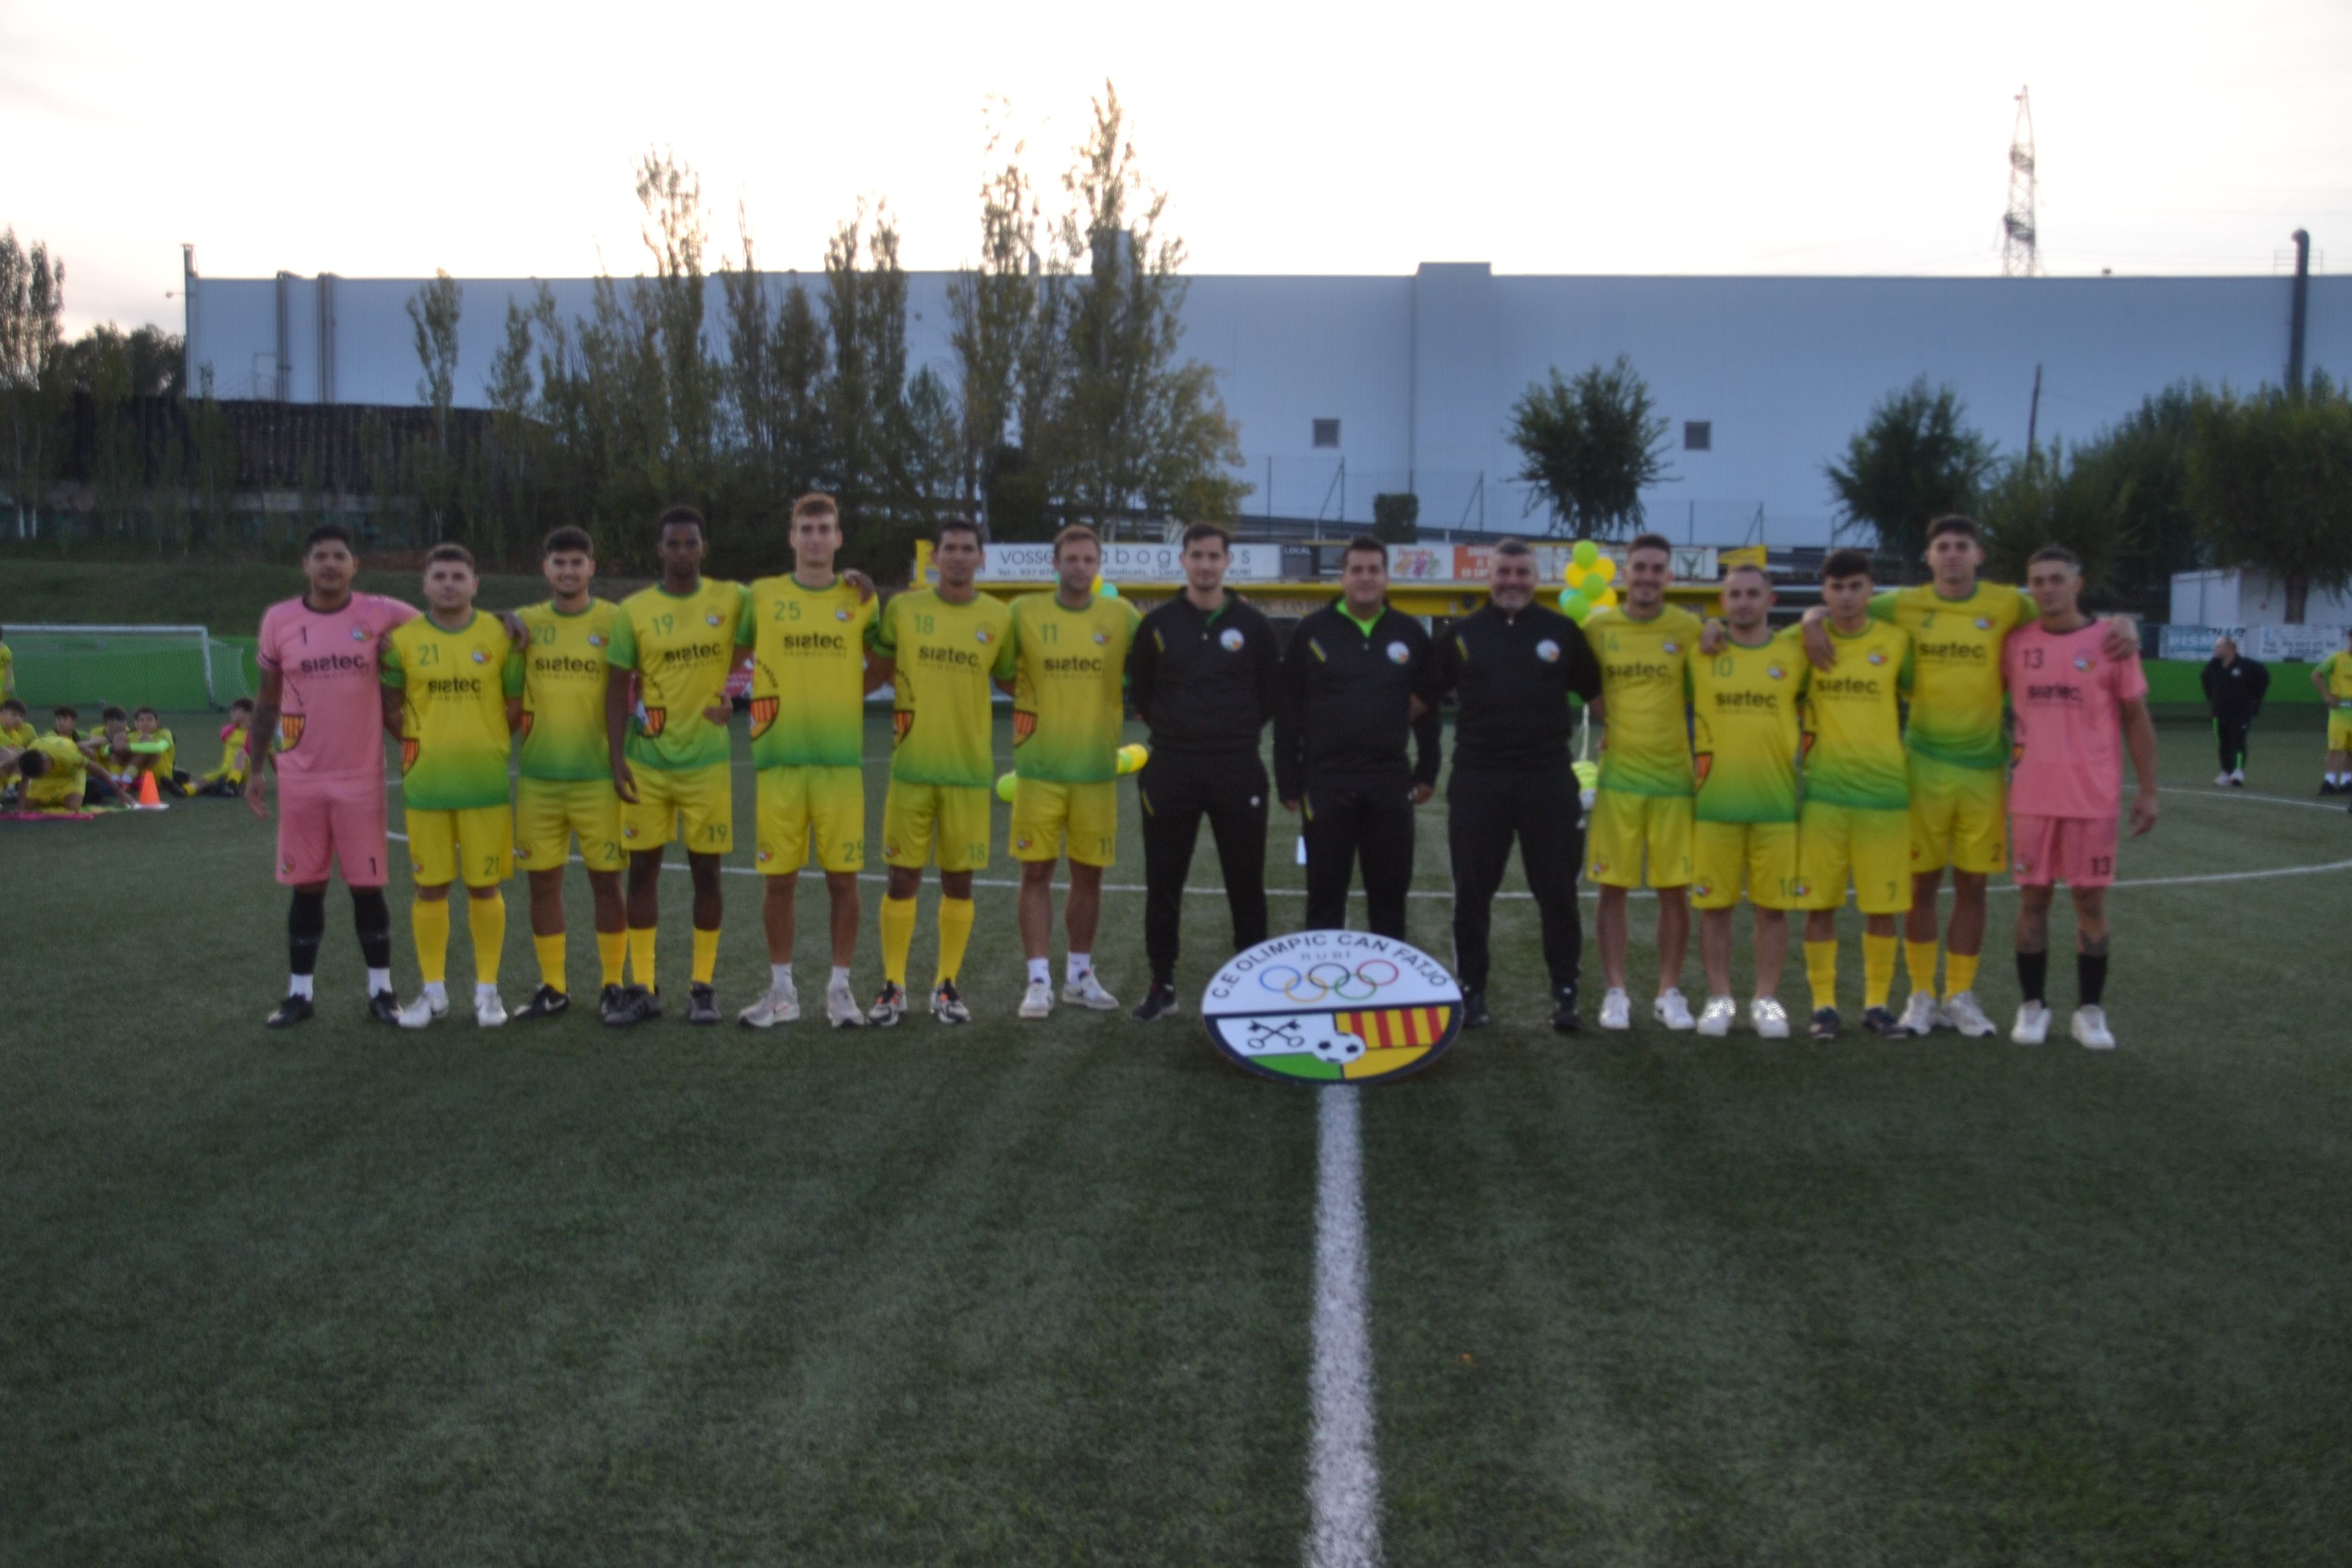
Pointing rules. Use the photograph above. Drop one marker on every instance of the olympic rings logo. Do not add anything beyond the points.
(1330, 978)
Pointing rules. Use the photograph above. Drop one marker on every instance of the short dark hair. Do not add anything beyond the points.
(244, 702)
(2054, 552)
(1953, 523)
(1738, 566)
(142, 707)
(112, 713)
(816, 503)
(1512, 547)
(15, 702)
(65, 711)
(567, 540)
(1216, 531)
(1363, 545)
(955, 525)
(32, 764)
(1843, 564)
(458, 553)
(680, 516)
(326, 533)
(1657, 542)
(1073, 534)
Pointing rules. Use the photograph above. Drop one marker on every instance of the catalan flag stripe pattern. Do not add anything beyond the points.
(1385, 1028)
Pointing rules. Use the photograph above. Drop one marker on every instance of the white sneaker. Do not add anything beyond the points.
(2091, 1029)
(1616, 1011)
(2221, 781)
(423, 1011)
(2032, 1026)
(1037, 1002)
(841, 1008)
(2238, 778)
(778, 1005)
(1087, 992)
(490, 1012)
(1769, 1019)
(1714, 1019)
(1671, 1010)
(1919, 1016)
(1967, 1014)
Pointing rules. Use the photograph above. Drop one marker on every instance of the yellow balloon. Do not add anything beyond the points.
(1131, 758)
(1607, 568)
(1608, 601)
(1576, 575)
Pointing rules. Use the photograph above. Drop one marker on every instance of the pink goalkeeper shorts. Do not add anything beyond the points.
(2079, 851)
(324, 822)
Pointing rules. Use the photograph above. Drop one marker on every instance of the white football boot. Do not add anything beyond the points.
(1714, 1019)
(2032, 1026)
(1037, 1002)
(1967, 1014)
(1087, 992)
(490, 1010)
(1671, 1010)
(1769, 1019)
(2091, 1029)
(424, 1010)
(841, 1008)
(778, 1005)
(1920, 1016)
(1616, 1011)
(2221, 781)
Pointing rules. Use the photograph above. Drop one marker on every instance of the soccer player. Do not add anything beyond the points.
(1513, 665)
(1745, 732)
(152, 750)
(1955, 755)
(2072, 697)
(564, 786)
(1856, 818)
(2333, 677)
(228, 779)
(448, 677)
(17, 731)
(1205, 673)
(1353, 681)
(2235, 688)
(942, 648)
(54, 770)
(319, 724)
(809, 633)
(7, 667)
(1069, 675)
(670, 752)
(1642, 807)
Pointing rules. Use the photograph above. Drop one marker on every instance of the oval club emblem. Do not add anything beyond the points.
(1548, 651)
(1230, 640)
(1332, 1007)
(1398, 653)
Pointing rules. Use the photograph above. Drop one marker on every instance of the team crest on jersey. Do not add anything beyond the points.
(480, 656)
(359, 633)
(1102, 637)
(1548, 651)
(1776, 672)
(522, 854)
(595, 639)
(1398, 653)
(1878, 658)
(763, 713)
(1702, 889)
(1231, 640)
(980, 634)
(713, 618)
(1022, 842)
(628, 830)
(1984, 623)
(765, 855)
(842, 615)
(286, 865)
(2085, 663)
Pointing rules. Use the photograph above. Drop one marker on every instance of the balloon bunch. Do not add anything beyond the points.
(1105, 590)
(1590, 577)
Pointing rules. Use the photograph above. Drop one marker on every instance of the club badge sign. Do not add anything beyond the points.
(1332, 1007)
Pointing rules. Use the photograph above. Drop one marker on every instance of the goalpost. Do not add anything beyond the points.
(174, 669)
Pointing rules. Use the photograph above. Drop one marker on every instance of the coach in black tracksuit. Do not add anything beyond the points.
(1513, 665)
(1205, 672)
(2234, 686)
(1354, 686)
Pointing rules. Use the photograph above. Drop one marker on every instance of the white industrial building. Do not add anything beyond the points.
(1344, 387)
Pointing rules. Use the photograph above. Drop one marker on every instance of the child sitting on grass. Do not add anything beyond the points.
(16, 732)
(228, 779)
(152, 750)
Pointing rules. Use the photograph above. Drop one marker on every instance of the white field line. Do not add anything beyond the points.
(1343, 1468)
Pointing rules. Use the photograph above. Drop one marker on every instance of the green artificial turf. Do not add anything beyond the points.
(1039, 1293)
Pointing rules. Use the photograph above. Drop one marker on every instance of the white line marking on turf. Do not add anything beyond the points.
(1343, 1468)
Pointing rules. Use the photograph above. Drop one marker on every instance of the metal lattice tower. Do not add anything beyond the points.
(2019, 257)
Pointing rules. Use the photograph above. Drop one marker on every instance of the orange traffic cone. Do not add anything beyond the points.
(148, 800)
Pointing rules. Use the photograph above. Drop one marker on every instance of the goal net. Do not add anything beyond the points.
(181, 669)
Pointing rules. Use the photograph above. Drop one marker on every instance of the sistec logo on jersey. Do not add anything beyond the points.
(1332, 1007)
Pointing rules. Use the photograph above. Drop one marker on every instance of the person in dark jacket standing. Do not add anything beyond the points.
(1205, 673)
(1353, 681)
(1513, 666)
(2234, 687)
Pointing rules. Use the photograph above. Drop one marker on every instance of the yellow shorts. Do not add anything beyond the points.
(697, 806)
(1762, 854)
(912, 813)
(477, 840)
(1874, 846)
(2339, 731)
(1624, 827)
(796, 801)
(1959, 817)
(548, 812)
(1043, 810)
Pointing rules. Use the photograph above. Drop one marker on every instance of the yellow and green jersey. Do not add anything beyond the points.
(1853, 722)
(157, 753)
(1956, 701)
(63, 782)
(453, 722)
(232, 761)
(2335, 670)
(8, 670)
(681, 646)
(946, 655)
(563, 690)
(1066, 691)
(1645, 686)
(1745, 727)
(16, 737)
(808, 672)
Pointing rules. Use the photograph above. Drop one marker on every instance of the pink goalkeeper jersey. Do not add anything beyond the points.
(331, 719)
(2068, 696)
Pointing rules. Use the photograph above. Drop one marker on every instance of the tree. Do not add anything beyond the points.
(773, 382)
(2082, 500)
(2149, 448)
(2271, 475)
(1590, 446)
(1915, 461)
(32, 395)
(994, 307)
(865, 400)
(433, 312)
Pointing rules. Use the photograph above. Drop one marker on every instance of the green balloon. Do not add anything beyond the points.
(1577, 609)
(1110, 590)
(1586, 553)
(1568, 601)
(1592, 588)
(1005, 789)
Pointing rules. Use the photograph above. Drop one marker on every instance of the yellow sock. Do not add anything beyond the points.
(1960, 972)
(550, 960)
(1877, 969)
(430, 919)
(898, 937)
(487, 919)
(955, 931)
(1820, 972)
(1919, 957)
(641, 956)
(706, 955)
(612, 953)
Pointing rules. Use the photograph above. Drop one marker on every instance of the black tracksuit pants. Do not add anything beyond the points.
(2232, 734)
(1353, 815)
(1485, 811)
(1177, 791)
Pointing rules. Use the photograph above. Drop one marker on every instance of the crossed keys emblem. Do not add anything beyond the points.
(1313, 1036)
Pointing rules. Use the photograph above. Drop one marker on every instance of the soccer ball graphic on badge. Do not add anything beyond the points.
(1332, 1008)
(1230, 639)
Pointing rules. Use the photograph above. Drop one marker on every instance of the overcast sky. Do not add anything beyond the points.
(497, 139)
